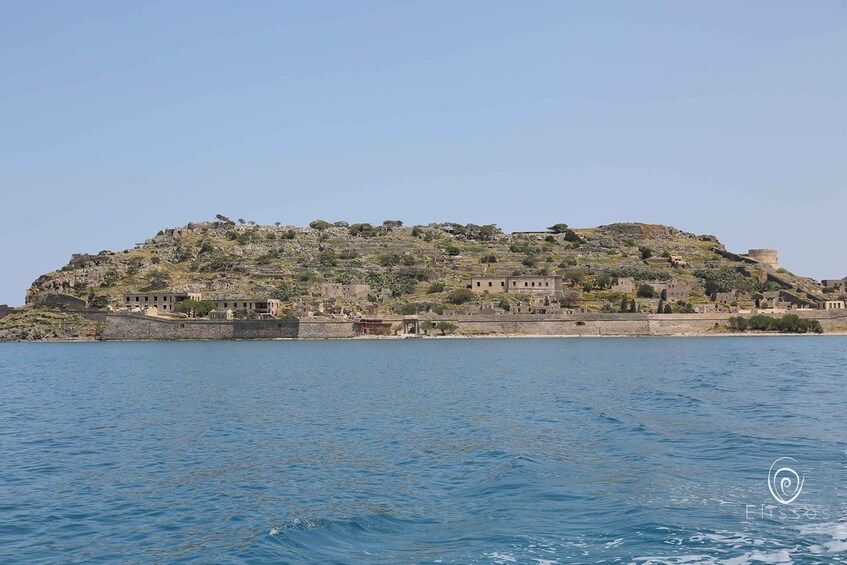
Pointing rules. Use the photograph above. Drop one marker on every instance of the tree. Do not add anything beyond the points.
(392, 224)
(223, 219)
(241, 221)
(277, 224)
(319, 225)
(632, 307)
(558, 228)
(603, 280)
(452, 250)
(668, 309)
(624, 303)
(661, 307)
(446, 327)
(645, 291)
(646, 252)
(197, 308)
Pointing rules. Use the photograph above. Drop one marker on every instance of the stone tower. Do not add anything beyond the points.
(768, 257)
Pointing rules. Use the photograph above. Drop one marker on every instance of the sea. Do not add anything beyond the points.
(575, 450)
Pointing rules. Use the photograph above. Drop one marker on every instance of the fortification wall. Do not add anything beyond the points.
(127, 327)
(325, 329)
(582, 324)
(132, 327)
(623, 324)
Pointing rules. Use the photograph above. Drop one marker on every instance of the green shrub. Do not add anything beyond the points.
(603, 280)
(286, 292)
(435, 287)
(319, 225)
(789, 323)
(646, 291)
(460, 296)
(724, 279)
(410, 308)
(362, 230)
(157, 279)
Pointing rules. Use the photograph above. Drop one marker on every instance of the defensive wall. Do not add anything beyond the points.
(595, 324)
(129, 327)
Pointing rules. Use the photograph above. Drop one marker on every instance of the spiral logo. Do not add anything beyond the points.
(784, 482)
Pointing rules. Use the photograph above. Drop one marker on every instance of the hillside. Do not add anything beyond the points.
(413, 268)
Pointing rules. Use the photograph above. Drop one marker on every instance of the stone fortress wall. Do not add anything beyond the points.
(128, 327)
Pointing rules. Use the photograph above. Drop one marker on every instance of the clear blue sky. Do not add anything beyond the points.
(122, 118)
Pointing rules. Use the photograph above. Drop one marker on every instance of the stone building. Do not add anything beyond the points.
(831, 305)
(725, 297)
(221, 314)
(678, 291)
(622, 284)
(674, 290)
(677, 262)
(549, 284)
(838, 284)
(162, 301)
(348, 291)
(257, 306)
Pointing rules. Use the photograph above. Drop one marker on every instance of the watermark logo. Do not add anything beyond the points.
(784, 482)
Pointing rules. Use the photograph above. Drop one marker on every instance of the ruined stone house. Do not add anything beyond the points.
(541, 284)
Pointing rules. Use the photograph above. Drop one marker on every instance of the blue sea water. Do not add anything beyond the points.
(424, 451)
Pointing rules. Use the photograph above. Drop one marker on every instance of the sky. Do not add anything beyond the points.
(118, 119)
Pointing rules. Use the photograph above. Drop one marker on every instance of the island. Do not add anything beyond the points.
(235, 279)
